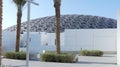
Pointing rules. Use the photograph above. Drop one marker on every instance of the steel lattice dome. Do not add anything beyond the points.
(67, 22)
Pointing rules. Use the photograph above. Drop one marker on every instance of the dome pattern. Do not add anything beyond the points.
(67, 22)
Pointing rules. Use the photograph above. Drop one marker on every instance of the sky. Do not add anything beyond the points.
(104, 8)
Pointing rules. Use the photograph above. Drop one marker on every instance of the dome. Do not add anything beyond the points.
(68, 22)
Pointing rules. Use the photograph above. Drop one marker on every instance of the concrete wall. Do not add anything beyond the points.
(118, 38)
(101, 39)
(41, 41)
(35, 38)
(71, 40)
(35, 42)
(51, 39)
(8, 41)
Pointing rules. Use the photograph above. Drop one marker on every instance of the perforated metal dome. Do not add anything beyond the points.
(67, 22)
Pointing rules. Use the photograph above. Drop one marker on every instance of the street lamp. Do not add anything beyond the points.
(28, 30)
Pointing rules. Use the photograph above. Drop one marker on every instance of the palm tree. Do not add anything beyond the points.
(57, 4)
(0, 30)
(19, 4)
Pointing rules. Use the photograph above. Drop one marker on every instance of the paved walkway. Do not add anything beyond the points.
(84, 61)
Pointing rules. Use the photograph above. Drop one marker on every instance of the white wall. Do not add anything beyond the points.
(51, 39)
(35, 41)
(118, 38)
(38, 40)
(105, 39)
(8, 40)
(101, 39)
(44, 38)
(71, 40)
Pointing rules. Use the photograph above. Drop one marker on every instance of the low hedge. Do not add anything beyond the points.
(91, 53)
(63, 57)
(15, 55)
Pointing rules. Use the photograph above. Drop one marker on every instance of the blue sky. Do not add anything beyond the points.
(105, 8)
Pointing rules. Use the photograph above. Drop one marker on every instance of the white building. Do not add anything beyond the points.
(8, 41)
(71, 40)
(91, 39)
(77, 32)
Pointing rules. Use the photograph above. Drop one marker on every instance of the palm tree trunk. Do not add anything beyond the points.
(57, 10)
(19, 15)
(0, 30)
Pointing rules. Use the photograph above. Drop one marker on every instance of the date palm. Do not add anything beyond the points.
(19, 4)
(57, 4)
(0, 30)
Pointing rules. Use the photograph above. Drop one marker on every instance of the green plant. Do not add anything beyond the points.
(16, 55)
(97, 53)
(91, 53)
(84, 52)
(9, 55)
(22, 55)
(47, 57)
(63, 57)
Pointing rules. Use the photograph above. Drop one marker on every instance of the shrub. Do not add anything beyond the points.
(85, 52)
(63, 57)
(8, 54)
(47, 57)
(15, 55)
(96, 53)
(91, 53)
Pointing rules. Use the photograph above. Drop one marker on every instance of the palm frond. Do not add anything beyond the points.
(57, 2)
(19, 2)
